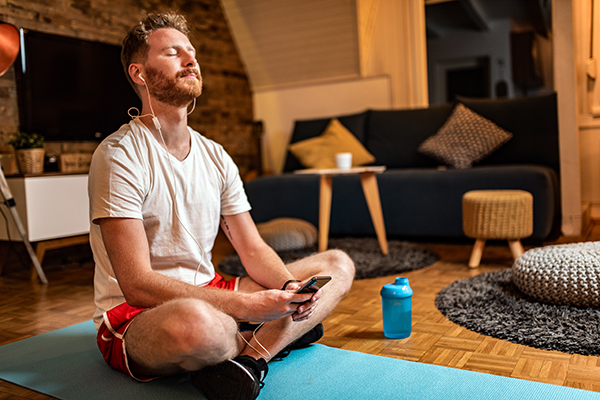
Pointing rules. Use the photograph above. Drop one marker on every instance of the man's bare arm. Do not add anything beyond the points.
(263, 265)
(127, 247)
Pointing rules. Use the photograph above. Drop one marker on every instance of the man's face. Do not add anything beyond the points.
(171, 71)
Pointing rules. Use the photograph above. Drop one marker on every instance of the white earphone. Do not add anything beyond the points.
(154, 118)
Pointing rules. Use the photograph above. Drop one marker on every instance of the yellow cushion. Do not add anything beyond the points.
(319, 152)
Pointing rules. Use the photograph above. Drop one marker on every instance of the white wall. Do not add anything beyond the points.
(278, 109)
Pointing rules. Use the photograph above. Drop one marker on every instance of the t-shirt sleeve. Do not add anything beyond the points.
(233, 196)
(116, 184)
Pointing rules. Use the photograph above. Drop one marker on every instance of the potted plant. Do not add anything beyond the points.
(29, 151)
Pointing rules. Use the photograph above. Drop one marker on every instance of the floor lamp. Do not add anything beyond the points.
(9, 48)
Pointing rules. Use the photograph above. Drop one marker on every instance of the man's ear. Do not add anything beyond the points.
(136, 74)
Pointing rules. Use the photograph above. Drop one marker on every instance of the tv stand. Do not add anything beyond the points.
(53, 208)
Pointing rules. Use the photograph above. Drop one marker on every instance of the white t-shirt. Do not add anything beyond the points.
(131, 177)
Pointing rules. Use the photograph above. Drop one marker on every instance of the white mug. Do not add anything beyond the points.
(343, 160)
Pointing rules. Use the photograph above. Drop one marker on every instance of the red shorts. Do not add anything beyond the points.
(111, 332)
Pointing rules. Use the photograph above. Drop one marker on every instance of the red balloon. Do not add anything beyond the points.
(9, 46)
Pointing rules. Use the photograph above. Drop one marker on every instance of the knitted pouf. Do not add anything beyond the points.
(566, 274)
(288, 233)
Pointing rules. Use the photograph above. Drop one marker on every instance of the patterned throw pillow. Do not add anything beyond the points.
(465, 138)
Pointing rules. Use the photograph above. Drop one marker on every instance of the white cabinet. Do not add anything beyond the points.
(50, 206)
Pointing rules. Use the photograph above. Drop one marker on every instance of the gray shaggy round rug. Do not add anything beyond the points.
(365, 252)
(492, 305)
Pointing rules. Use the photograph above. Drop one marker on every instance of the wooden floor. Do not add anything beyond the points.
(29, 308)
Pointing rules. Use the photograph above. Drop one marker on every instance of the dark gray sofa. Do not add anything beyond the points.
(419, 199)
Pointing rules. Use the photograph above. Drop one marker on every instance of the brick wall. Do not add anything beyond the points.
(223, 112)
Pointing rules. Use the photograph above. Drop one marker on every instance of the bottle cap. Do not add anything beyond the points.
(399, 289)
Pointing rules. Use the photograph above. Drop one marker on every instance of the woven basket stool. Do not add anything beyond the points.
(497, 214)
(565, 274)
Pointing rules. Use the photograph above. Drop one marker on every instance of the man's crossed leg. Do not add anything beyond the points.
(192, 335)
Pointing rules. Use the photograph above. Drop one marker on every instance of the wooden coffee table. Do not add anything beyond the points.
(370, 189)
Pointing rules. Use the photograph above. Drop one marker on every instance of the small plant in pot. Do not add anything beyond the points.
(29, 151)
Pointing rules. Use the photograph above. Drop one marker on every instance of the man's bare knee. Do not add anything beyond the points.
(331, 262)
(340, 264)
(189, 333)
(335, 263)
(196, 326)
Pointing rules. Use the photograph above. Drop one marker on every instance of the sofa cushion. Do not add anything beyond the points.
(465, 138)
(305, 129)
(416, 202)
(394, 135)
(319, 152)
(532, 120)
(287, 233)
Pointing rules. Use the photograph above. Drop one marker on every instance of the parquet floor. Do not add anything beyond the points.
(28, 308)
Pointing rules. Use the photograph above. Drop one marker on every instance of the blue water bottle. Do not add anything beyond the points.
(397, 309)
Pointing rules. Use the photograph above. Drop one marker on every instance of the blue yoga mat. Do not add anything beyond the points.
(66, 364)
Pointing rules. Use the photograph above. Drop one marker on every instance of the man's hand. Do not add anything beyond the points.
(269, 305)
(306, 309)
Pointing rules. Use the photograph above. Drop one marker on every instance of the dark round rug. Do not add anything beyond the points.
(492, 305)
(365, 252)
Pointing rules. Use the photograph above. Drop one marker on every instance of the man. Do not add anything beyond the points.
(158, 193)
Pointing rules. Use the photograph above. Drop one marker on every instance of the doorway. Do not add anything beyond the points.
(462, 77)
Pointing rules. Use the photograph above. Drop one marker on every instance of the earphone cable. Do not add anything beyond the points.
(176, 209)
(266, 357)
(175, 191)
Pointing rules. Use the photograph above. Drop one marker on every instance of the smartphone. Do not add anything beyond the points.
(314, 284)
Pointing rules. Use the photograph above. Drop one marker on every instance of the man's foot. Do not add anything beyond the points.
(240, 378)
(309, 337)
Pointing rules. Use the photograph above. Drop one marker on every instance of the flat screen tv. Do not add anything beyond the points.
(71, 89)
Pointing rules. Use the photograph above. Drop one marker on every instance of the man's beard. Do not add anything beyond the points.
(175, 91)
